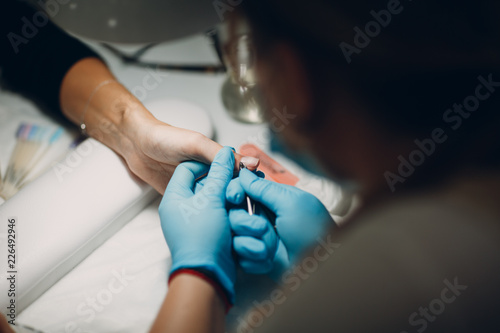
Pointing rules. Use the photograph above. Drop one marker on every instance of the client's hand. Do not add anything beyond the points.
(158, 148)
(112, 115)
(300, 219)
(196, 226)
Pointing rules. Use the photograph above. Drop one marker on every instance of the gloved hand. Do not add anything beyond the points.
(255, 241)
(300, 219)
(196, 226)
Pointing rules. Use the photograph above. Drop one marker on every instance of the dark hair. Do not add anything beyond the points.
(428, 57)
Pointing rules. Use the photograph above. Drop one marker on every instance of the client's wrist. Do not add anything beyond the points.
(111, 116)
(135, 117)
(135, 124)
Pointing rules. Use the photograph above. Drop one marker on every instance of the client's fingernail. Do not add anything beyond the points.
(250, 161)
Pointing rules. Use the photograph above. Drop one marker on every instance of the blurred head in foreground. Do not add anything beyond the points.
(399, 100)
(385, 95)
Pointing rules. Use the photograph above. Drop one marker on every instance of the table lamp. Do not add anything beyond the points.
(133, 21)
(153, 21)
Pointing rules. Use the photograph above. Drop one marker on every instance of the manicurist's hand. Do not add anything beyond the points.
(196, 226)
(300, 219)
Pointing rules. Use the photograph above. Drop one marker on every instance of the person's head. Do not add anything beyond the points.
(372, 83)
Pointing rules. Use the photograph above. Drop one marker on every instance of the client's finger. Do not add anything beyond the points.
(205, 150)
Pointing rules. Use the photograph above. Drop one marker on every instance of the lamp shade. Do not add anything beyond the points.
(134, 21)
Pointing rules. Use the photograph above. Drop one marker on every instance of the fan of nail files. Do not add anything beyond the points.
(33, 146)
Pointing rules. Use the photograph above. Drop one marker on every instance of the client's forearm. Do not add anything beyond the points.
(192, 305)
(90, 94)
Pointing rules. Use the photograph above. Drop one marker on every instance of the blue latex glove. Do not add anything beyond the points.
(196, 226)
(300, 219)
(255, 241)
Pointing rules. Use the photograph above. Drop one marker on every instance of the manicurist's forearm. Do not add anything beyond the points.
(192, 305)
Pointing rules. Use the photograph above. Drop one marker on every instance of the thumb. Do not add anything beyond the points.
(183, 180)
(220, 173)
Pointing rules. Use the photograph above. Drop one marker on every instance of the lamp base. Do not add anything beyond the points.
(242, 103)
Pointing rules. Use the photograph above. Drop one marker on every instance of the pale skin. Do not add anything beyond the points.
(151, 148)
